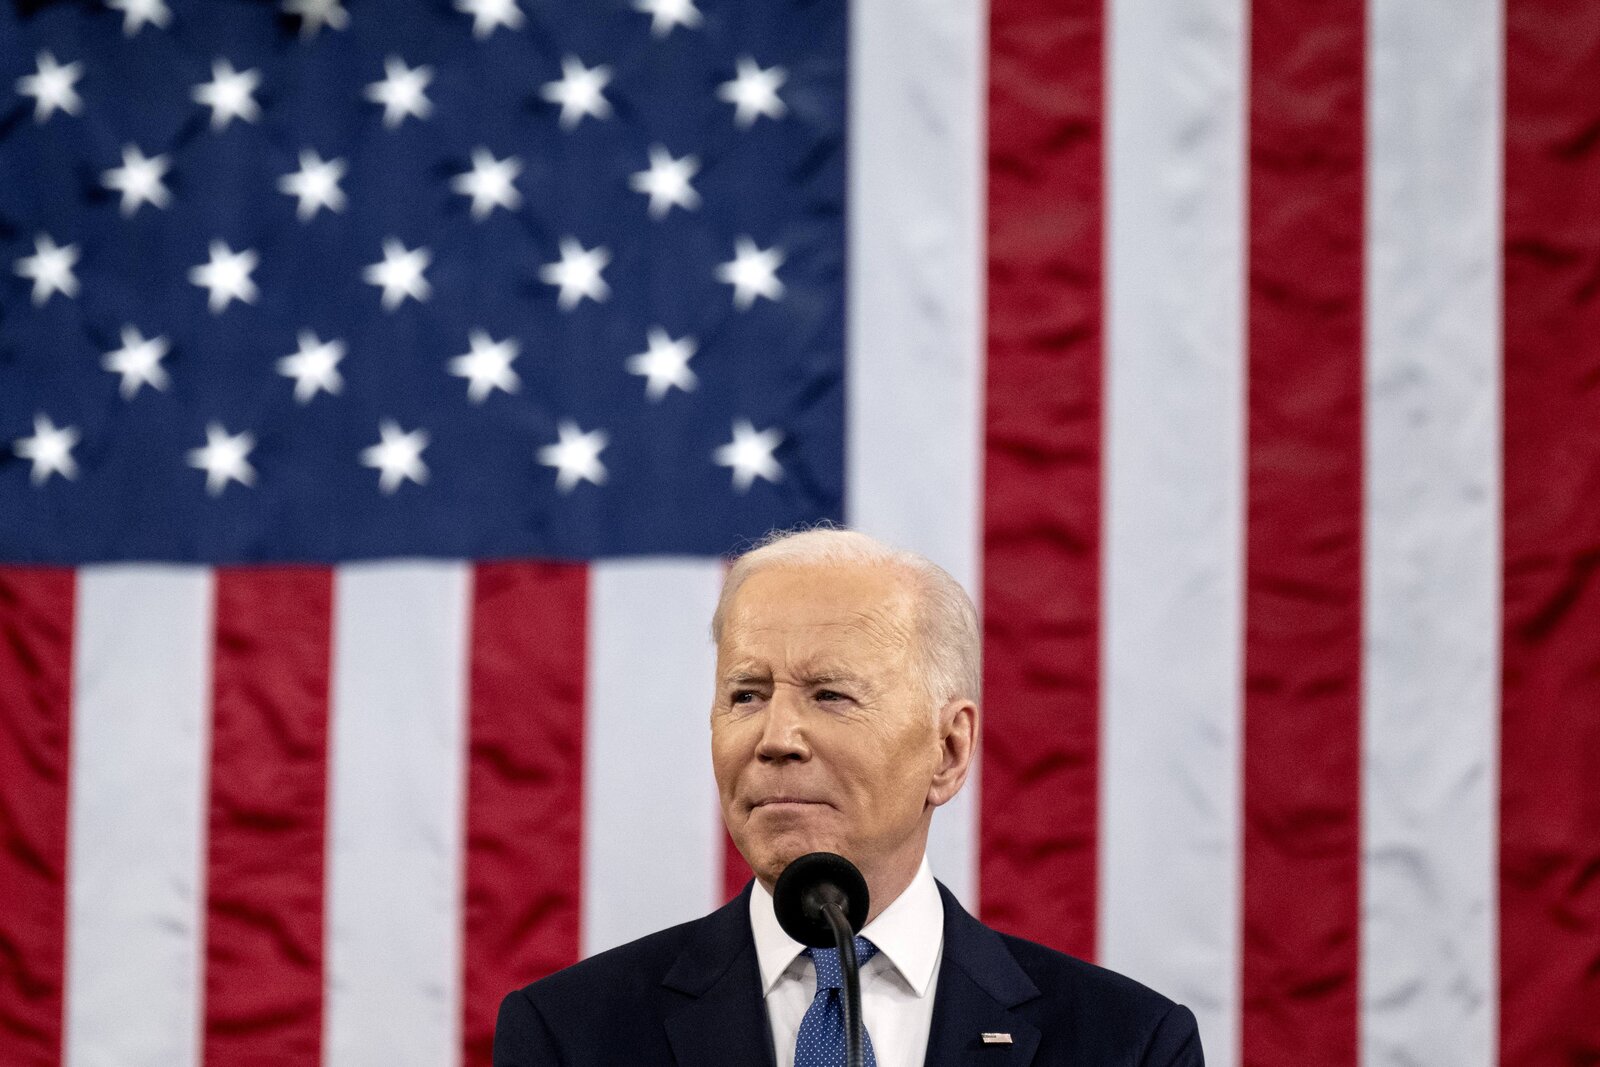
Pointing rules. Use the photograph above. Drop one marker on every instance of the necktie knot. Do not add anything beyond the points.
(830, 975)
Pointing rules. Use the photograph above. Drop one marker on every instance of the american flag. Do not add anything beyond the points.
(382, 384)
(325, 287)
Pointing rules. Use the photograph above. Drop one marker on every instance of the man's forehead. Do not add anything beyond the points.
(794, 616)
(794, 635)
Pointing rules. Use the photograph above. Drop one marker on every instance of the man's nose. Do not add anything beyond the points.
(783, 734)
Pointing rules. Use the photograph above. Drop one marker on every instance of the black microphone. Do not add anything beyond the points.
(821, 901)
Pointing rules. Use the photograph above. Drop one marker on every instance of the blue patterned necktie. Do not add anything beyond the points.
(820, 1042)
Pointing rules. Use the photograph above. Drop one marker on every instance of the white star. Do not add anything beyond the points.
(228, 94)
(316, 184)
(138, 180)
(225, 458)
(579, 92)
(576, 456)
(51, 87)
(666, 14)
(667, 182)
(138, 361)
(750, 455)
(135, 13)
(487, 15)
(314, 367)
(227, 276)
(578, 274)
(488, 366)
(489, 183)
(665, 364)
(753, 92)
(50, 449)
(50, 268)
(400, 273)
(752, 273)
(315, 14)
(397, 456)
(401, 91)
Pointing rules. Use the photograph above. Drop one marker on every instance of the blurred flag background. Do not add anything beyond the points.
(382, 385)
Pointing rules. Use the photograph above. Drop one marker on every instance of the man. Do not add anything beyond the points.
(846, 712)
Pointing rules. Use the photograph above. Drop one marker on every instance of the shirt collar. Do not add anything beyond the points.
(909, 933)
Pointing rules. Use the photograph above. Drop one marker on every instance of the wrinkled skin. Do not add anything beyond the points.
(822, 737)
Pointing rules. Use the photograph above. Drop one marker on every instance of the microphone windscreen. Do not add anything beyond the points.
(806, 885)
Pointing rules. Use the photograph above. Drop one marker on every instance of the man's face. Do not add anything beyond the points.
(821, 736)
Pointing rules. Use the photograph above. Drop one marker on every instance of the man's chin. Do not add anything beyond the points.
(773, 856)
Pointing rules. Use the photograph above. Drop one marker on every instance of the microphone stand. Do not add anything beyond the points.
(822, 897)
(845, 939)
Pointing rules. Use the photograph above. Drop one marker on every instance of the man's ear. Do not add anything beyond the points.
(958, 746)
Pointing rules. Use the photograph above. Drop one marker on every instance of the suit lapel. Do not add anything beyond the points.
(979, 984)
(725, 1019)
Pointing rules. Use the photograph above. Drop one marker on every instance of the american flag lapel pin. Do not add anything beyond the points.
(996, 1039)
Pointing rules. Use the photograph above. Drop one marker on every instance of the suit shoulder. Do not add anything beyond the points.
(627, 969)
(1110, 1017)
(1060, 975)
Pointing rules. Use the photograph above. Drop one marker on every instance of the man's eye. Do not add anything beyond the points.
(829, 694)
(743, 696)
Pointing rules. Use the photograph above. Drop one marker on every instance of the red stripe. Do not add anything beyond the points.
(36, 613)
(269, 769)
(735, 871)
(1302, 771)
(524, 784)
(1042, 472)
(1550, 729)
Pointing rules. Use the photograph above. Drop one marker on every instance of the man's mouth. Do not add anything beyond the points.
(787, 802)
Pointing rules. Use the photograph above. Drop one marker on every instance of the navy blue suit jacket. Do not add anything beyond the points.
(691, 996)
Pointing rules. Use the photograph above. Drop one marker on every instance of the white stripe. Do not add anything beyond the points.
(1170, 842)
(652, 835)
(140, 754)
(396, 768)
(915, 389)
(1431, 620)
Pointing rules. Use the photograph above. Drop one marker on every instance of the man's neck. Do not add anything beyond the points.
(884, 888)
(887, 879)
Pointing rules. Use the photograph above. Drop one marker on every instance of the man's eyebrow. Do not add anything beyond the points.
(824, 674)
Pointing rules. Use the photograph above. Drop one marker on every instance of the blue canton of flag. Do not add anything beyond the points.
(320, 281)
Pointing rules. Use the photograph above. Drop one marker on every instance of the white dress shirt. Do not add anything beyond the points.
(897, 985)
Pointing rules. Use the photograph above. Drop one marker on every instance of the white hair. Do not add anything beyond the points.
(948, 644)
